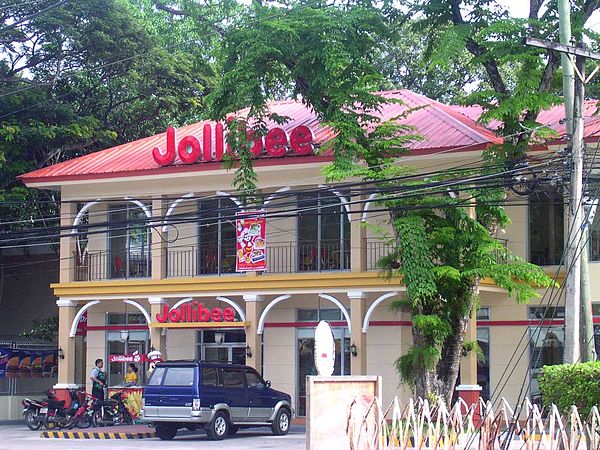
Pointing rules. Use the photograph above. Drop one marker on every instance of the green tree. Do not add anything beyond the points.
(328, 57)
(84, 76)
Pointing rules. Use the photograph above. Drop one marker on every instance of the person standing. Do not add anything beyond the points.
(131, 375)
(98, 377)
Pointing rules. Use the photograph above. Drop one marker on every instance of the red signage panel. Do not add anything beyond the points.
(251, 242)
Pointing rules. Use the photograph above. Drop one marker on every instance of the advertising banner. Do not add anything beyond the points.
(49, 363)
(251, 242)
(8, 359)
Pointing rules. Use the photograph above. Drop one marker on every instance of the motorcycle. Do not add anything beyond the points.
(78, 413)
(34, 411)
(111, 412)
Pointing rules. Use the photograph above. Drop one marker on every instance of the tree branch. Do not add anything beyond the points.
(479, 51)
(178, 12)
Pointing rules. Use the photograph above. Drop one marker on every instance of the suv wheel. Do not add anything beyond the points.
(218, 427)
(166, 432)
(281, 424)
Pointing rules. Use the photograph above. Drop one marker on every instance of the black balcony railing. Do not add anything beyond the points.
(376, 250)
(282, 257)
(95, 266)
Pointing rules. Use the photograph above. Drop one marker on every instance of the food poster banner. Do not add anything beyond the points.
(9, 361)
(50, 363)
(132, 397)
(251, 250)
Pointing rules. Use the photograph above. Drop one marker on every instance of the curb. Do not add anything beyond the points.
(95, 435)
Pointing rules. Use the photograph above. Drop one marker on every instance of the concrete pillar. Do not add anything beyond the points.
(468, 363)
(254, 307)
(158, 339)
(68, 243)
(358, 307)
(159, 239)
(358, 239)
(67, 310)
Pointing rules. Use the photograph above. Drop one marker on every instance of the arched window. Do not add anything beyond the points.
(216, 236)
(128, 242)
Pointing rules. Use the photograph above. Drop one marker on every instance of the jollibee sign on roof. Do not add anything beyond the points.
(190, 150)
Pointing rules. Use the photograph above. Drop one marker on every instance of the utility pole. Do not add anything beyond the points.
(573, 261)
(574, 248)
(564, 28)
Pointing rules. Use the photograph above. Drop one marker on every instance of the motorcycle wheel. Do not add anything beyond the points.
(49, 422)
(97, 418)
(31, 420)
(85, 421)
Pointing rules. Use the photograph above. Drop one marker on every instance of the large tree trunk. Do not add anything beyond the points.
(441, 380)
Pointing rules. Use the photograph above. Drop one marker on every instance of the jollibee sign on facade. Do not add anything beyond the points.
(276, 144)
(195, 312)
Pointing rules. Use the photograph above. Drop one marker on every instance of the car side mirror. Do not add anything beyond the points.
(268, 383)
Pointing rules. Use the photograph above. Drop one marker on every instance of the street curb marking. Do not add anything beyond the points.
(95, 435)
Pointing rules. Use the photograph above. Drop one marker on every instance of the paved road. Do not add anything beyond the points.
(18, 437)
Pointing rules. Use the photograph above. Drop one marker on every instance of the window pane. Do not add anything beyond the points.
(314, 315)
(483, 313)
(546, 228)
(115, 319)
(547, 312)
(179, 376)
(156, 376)
(233, 378)
(209, 376)
(253, 380)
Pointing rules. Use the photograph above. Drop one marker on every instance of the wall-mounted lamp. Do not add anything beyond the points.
(124, 335)
(353, 350)
(219, 338)
(248, 351)
(61, 354)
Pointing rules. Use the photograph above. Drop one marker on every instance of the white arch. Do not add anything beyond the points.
(142, 309)
(365, 326)
(83, 309)
(80, 214)
(143, 206)
(263, 316)
(172, 207)
(88, 205)
(337, 303)
(233, 304)
(343, 199)
(233, 198)
(274, 195)
(367, 206)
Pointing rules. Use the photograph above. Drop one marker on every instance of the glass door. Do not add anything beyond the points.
(126, 343)
(306, 359)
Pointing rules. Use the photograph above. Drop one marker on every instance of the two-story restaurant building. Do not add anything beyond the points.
(174, 286)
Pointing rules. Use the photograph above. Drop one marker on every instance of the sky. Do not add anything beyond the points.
(520, 8)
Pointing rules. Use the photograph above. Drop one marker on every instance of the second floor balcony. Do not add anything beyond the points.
(282, 257)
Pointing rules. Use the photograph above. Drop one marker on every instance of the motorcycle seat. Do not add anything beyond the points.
(56, 404)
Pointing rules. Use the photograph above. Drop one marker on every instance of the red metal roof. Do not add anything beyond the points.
(553, 118)
(443, 128)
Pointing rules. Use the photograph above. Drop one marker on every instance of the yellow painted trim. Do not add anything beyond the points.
(200, 325)
(309, 282)
(313, 282)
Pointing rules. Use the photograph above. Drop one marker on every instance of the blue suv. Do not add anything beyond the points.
(221, 398)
